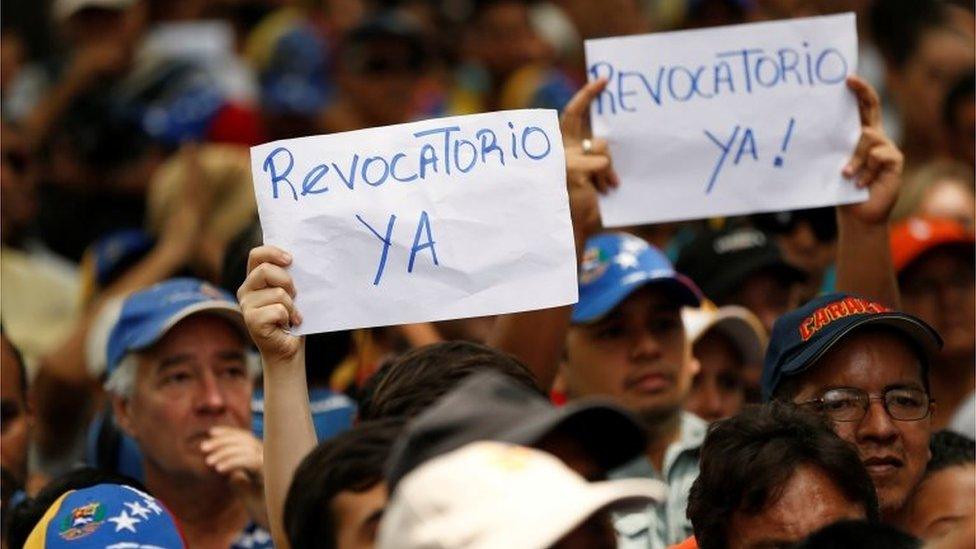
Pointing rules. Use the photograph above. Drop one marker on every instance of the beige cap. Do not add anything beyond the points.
(738, 323)
(493, 494)
(63, 9)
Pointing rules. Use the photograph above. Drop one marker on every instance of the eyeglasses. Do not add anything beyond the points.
(850, 404)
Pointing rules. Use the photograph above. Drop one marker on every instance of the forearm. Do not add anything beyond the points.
(42, 118)
(289, 434)
(864, 264)
(536, 338)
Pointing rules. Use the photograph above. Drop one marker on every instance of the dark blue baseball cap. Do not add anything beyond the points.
(615, 265)
(147, 315)
(802, 336)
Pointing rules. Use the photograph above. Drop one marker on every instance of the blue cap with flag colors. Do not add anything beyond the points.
(802, 336)
(106, 515)
(615, 265)
(147, 315)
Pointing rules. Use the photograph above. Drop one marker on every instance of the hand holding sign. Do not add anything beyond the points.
(877, 162)
(589, 169)
(446, 218)
(267, 301)
(727, 121)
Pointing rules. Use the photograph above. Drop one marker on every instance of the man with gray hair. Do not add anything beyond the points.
(180, 377)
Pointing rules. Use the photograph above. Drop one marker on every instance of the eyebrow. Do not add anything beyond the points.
(375, 516)
(172, 361)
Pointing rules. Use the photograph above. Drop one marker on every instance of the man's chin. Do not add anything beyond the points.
(653, 415)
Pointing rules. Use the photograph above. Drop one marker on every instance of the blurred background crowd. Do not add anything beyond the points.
(125, 134)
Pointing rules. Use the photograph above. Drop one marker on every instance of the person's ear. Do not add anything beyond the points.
(121, 410)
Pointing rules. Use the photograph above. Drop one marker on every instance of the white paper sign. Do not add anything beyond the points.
(433, 220)
(727, 121)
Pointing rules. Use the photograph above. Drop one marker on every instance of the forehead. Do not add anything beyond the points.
(198, 333)
(808, 501)
(871, 359)
(651, 298)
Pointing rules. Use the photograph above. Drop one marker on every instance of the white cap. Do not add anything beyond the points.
(498, 495)
(64, 9)
(738, 323)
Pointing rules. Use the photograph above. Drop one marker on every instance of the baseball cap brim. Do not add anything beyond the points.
(675, 284)
(739, 270)
(748, 337)
(614, 495)
(923, 338)
(608, 433)
(228, 311)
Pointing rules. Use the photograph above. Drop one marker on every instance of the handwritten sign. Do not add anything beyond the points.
(433, 220)
(727, 121)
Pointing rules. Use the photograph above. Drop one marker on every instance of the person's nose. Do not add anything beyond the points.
(210, 397)
(645, 347)
(876, 425)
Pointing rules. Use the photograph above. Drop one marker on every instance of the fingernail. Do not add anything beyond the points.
(287, 257)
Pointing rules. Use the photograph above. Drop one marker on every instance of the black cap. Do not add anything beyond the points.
(719, 261)
(803, 335)
(489, 406)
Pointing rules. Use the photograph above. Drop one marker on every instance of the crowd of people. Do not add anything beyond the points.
(790, 379)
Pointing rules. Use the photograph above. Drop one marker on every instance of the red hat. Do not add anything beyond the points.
(915, 236)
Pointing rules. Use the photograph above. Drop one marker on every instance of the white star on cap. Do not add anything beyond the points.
(124, 522)
(632, 245)
(626, 260)
(137, 509)
(151, 504)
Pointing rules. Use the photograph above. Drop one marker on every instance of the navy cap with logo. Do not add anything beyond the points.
(804, 335)
(617, 264)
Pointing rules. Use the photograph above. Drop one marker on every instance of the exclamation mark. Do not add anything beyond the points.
(778, 161)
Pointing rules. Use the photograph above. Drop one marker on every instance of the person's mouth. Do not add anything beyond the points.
(882, 466)
(650, 382)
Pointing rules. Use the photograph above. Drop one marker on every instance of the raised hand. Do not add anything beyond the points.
(876, 163)
(267, 301)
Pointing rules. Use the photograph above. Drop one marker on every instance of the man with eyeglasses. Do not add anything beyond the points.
(865, 367)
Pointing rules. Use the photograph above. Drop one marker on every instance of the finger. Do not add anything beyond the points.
(228, 436)
(232, 457)
(573, 118)
(267, 254)
(879, 160)
(614, 178)
(270, 296)
(868, 102)
(598, 146)
(859, 156)
(249, 464)
(588, 163)
(266, 275)
(272, 315)
(218, 431)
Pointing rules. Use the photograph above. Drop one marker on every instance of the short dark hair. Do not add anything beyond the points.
(898, 26)
(352, 461)
(747, 459)
(410, 383)
(950, 450)
(25, 516)
(860, 534)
